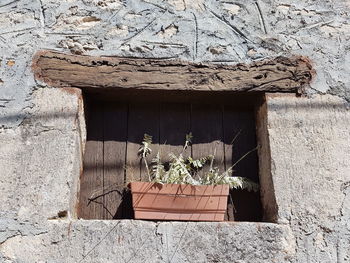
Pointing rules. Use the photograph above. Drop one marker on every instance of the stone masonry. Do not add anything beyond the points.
(42, 129)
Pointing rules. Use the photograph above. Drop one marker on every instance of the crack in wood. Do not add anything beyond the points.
(282, 74)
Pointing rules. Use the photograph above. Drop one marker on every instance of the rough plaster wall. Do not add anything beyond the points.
(220, 31)
(40, 142)
(310, 153)
(140, 241)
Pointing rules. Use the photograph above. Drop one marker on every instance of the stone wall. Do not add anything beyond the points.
(42, 129)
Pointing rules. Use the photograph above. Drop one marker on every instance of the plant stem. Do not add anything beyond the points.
(240, 159)
(146, 164)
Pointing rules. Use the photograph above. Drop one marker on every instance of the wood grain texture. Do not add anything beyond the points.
(281, 74)
(114, 155)
(207, 130)
(91, 201)
(115, 131)
(175, 123)
(240, 127)
(142, 119)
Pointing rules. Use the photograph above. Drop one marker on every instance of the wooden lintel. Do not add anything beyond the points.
(281, 74)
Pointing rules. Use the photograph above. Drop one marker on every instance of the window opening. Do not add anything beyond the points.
(115, 129)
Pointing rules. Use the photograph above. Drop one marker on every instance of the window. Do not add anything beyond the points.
(169, 85)
(115, 128)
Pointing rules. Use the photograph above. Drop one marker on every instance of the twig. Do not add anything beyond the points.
(196, 36)
(138, 32)
(234, 28)
(184, 2)
(16, 31)
(103, 189)
(160, 7)
(115, 14)
(261, 16)
(147, 168)
(236, 136)
(71, 34)
(91, 199)
(103, 206)
(319, 24)
(42, 12)
(221, 61)
(164, 43)
(314, 25)
(240, 159)
(9, 3)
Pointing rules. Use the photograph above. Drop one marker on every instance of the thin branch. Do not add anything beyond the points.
(17, 31)
(196, 37)
(138, 32)
(103, 206)
(236, 136)
(185, 6)
(115, 14)
(240, 159)
(159, 6)
(43, 13)
(234, 28)
(319, 24)
(261, 16)
(93, 198)
(9, 3)
(164, 43)
(71, 34)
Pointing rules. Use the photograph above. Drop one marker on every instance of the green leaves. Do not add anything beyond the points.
(185, 170)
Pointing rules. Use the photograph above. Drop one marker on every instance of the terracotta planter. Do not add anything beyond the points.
(179, 202)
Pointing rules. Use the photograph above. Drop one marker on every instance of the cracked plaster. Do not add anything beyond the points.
(41, 129)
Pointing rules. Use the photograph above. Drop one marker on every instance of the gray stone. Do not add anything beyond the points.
(42, 129)
(141, 241)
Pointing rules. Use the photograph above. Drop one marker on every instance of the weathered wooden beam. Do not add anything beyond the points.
(280, 74)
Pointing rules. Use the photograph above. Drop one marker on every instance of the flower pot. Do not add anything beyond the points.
(179, 201)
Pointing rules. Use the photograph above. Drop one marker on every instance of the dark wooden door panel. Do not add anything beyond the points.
(239, 130)
(116, 130)
(91, 182)
(174, 125)
(207, 129)
(114, 156)
(143, 118)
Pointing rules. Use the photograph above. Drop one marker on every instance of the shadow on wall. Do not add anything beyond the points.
(10, 118)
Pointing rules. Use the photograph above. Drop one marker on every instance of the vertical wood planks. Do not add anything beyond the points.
(174, 125)
(241, 124)
(233, 132)
(115, 137)
(207, 129)
(91, 186)
(143, 118)
(116, 130)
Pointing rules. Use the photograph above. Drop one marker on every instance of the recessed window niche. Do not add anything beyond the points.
(221, 122)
